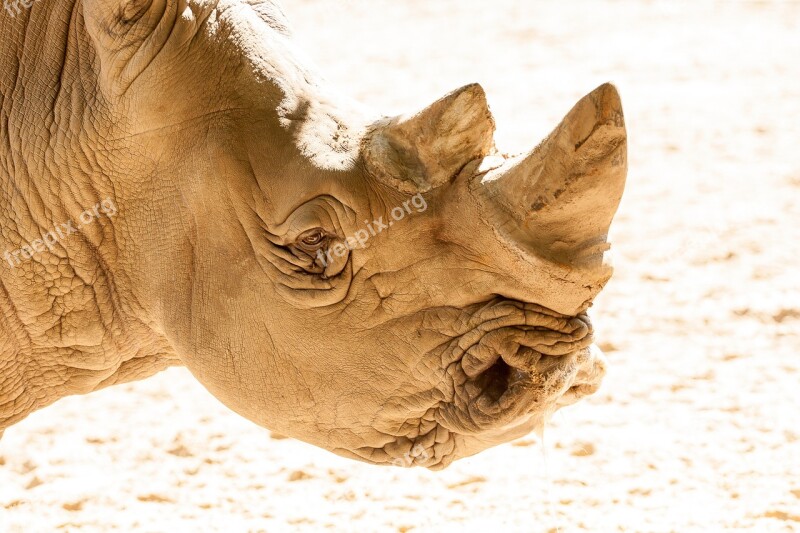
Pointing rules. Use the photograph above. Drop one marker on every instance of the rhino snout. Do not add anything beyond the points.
(523, 373)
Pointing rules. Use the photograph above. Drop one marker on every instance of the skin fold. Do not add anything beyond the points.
(387, 288)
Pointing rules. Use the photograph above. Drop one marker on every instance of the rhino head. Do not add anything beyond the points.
(391, 289)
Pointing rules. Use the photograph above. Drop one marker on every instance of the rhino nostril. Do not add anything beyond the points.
(497, 380)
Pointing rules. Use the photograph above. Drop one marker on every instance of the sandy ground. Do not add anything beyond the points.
(698, 425)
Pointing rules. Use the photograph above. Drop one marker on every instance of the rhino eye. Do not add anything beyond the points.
(314, 238)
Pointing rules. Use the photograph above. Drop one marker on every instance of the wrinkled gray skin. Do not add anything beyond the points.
(230, 167)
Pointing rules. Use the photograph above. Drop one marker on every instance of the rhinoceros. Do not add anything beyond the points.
(180, 187)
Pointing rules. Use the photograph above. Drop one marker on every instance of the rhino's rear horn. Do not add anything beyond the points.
(564, 194)
(418, 152)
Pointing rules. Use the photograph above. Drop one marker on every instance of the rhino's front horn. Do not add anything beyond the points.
(563, 195)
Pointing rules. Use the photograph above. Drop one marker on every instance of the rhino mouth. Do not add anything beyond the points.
(506, 396)
(512, 366)
(512, 371)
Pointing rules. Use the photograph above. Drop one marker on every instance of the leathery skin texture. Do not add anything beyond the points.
(181, 188)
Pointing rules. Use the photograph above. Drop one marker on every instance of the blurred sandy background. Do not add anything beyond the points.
(698, 425)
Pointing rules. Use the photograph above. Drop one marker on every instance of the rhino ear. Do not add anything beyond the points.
(419, 152)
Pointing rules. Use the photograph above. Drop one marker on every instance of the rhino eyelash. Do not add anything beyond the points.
(313, 238)
(312, 241)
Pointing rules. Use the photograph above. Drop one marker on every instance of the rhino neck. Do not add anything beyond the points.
(69, 323)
